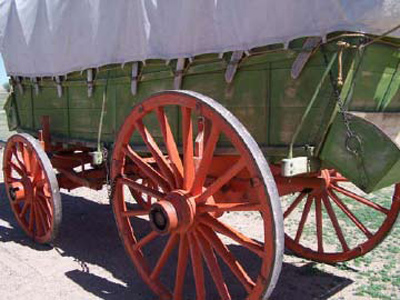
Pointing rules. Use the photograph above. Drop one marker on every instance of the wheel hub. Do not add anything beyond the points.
(175, 213)
(17, 191)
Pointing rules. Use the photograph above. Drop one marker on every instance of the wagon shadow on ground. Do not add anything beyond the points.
(88, 234)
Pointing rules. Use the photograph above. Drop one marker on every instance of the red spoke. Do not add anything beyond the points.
(17, 169)
(181, 267)
(164, 256)
(205, 161)
(159, 157)
(31, 217)
(187, 141)
(335, 223)
(146, 168)
(303, 219)
(170, 144)
(223, 207)
(134, 213)
(318, 221)
(21, 164)
(38, 223)
(222, 180)
(361, 199)
(145, 240)
(27, 158)
(213, 266)
(139, 199)
(143, 189)
(45, 213)
(349, 214)
(235, 235)
(41, 220)
(295, 203)
(197, 265)
(230, 260)
(24, 209)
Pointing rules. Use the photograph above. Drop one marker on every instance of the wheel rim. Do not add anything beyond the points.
(338, 222)
(32, 188)
(184, 207)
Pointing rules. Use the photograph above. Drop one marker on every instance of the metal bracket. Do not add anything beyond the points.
(90, 82)
(309, 46)
(134, 78)
(18, 83)
(180, 65)
(35, 85)
(299, 165)
(233, 65)
(59, 87)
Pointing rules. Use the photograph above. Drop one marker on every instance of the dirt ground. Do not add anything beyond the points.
(89, 262)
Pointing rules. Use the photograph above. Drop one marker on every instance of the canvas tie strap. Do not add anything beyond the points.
(17, 81)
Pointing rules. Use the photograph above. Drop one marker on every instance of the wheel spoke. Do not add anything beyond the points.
(164, 256)
(205, 161)
(197, 266)
(44, 213)
(224, 207)
(159, 157)
(24, 209)
(187, 141)
(31, 217)
(318, 222)
(17, 169)
(141, 188)
(21, 164)
(213, 266)
(134, 213)
(235, 235)
(303, 219)
(42, 223)
(349, 214)
(181, 267)
(145, 240)
(27, 158)
(335, 223)
(171, 146)
(360, 199)
(222, 180)
(139, 199)
(295, 203)
(229, 259)
(148, 170)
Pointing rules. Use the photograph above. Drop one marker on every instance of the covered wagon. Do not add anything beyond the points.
(197, 114)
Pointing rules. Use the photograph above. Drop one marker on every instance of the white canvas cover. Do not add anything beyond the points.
(54, 37)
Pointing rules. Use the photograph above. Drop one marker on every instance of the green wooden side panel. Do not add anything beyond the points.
(378, 164)
(376, 85)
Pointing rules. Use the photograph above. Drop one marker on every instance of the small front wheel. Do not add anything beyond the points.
(32, 188)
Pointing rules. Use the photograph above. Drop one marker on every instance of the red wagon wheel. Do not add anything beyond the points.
(176, 219)
(32, 188)
(338, 222)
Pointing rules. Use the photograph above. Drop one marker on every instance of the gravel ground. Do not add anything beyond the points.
(88, 261)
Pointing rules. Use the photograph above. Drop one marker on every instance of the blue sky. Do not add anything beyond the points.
(3, 76)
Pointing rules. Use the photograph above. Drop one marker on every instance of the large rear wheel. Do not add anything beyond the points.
(337, 221)
(180, 200)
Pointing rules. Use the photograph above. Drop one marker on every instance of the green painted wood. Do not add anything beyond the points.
(262, 95)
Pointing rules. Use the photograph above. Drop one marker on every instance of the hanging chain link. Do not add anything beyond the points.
(353, 141)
